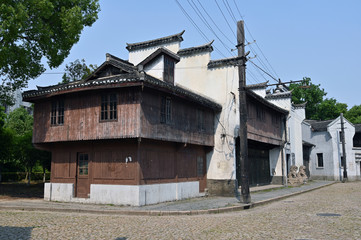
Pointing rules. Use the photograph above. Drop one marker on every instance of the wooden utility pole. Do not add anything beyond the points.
(343, 150)
(242, 154)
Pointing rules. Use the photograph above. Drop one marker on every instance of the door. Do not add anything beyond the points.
(259, 166)
(82, 178)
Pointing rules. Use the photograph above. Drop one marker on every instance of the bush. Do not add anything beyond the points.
(19, 176)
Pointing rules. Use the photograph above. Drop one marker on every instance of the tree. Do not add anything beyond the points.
(329, 109)
(20, 121)
(310, 93)
(33, 29)
(77, 70)
(354, 114)
(6, 140)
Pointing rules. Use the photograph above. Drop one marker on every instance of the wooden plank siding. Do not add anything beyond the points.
(184, 125)
(82, 118)
(264, 124)
(116, 162)
(138, 115)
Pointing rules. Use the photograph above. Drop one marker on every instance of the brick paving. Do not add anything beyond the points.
(296, 217)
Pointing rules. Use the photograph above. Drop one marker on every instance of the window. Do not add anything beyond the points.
(200, 120)
(83, 164)
(165, 110)
(168, 70)
(260, 114)
(342, 161)
(108, 107)
(57, 112)
(320, 160)
(200, 167)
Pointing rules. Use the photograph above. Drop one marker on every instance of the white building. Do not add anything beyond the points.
(325, 149)
(218, 80)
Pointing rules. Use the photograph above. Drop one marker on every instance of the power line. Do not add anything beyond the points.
(215, 23)
(263, 70)
(196, 26)
(225, 18)
(253, 39)
(200, 15)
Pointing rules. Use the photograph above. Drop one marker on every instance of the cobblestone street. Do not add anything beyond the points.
(306, 216)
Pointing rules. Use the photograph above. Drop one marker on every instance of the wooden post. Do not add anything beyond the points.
(343, 150)
(243, 165)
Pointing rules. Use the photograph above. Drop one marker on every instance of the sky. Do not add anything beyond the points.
(289, 40)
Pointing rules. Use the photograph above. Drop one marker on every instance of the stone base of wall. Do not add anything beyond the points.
(334, 178)
(222, 187)
(134, 195)
(277, 180)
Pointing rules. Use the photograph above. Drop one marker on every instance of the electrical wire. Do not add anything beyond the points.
(225, 18)
(263, 70)
(196, 26)
(203, 19)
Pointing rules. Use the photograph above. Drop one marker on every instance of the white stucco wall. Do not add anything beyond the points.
(134, 195)
(275, 157)
(156, 68)
(221, 85)
(137, 56)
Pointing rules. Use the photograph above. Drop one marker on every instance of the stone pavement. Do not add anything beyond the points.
(203, 205)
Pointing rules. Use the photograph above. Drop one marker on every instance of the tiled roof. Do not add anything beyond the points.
(151, 43)
(158, 52)
(319, 126)
(279, 95)
(257, 86)
(234, 61)
(121, 80)
(301, 105)
(202, 48)
(265, 102)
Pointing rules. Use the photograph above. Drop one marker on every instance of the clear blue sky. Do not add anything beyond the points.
(320, 39)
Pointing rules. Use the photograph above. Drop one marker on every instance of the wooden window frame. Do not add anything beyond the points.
(166, 110)
(168, 74)
(83, 164)
(57, 112)
(108, 107)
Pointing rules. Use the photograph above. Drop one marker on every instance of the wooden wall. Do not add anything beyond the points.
(264, 124)
(184, 123)
(82, 118)
(117, 162)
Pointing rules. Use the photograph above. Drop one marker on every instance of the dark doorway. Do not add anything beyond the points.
(288, 157)
(82, 176)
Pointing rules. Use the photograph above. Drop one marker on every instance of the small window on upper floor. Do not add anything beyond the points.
(108, 109)
(200, 120)
(57, 112)
(168, 74)
(165, 110)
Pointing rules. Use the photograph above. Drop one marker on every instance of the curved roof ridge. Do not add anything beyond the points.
(200, 48)
(257, 85)
(155, 42)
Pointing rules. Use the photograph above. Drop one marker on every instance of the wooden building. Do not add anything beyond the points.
(122, 136)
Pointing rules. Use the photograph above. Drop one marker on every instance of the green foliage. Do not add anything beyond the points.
(20, 121)
(33, 29)
(329, 109)
(77, 70)
(354, 114)
(310, 93)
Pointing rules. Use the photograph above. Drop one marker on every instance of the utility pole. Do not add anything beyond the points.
(242, 154)
(343, 150)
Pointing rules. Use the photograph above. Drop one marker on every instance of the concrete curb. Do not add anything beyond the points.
(165, 213)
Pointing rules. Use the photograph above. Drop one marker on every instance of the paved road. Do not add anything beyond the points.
(298, 217)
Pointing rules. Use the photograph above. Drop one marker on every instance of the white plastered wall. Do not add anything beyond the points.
(221, 85)
(137, 56)
(134, 195)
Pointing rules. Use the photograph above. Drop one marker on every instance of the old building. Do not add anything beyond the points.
(159, 127)
(323, 140)
(124, 137)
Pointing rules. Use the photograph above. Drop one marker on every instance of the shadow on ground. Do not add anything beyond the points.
(15, 232)
(21, 190)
